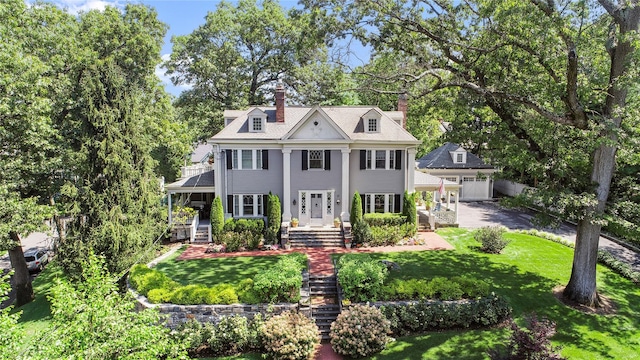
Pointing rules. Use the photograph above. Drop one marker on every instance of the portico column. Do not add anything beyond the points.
(411, 169)
(345, 185)
(217, 175)
(457, 197)
(169, 203)
(286, 184)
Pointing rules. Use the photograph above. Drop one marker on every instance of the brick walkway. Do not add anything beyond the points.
(320, 264)
(320, 258)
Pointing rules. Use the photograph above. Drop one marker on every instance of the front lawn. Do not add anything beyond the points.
(526, 272)
(210, 272)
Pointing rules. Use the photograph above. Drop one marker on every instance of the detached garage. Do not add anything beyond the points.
(453, 163)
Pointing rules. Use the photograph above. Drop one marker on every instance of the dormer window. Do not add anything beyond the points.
(459, 156)
(371, 121)
(257, 121)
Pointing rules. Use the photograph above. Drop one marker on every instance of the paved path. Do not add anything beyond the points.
(320, 258)
(488, 213)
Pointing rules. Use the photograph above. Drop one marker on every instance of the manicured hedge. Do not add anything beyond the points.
(438, 288)
(282, 282)
(433, 315)
(384, 219)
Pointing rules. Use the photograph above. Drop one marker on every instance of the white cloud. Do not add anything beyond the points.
(77, 6)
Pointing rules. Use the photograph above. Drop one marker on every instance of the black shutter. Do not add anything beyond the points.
(265, 204)
(398, 161)
(305, 160)
(230, 204)
(362, 198)
(327, 159)
(265, 159)
(229, 159)
(396, 203)
(363, 159)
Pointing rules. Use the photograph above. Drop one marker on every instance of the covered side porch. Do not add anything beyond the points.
(441, 199)
(189, 204)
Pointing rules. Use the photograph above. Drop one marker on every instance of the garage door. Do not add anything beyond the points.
(474, 188)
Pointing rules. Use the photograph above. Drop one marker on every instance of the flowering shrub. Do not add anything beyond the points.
(531, 342)
(361, 277)
(431, 315)
(491, 238)
(360, 331)
(231, 335)
(290, 335)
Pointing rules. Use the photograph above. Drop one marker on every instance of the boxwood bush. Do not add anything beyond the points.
(361, 278)
(433, 315)
(282, 282)
(384, 219)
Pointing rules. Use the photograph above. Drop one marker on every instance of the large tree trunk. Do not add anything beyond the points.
(21, 277)
(582, 284)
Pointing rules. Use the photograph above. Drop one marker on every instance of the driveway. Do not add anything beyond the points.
(34, 240)
(489, 213)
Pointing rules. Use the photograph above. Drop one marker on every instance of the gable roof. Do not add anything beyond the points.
(440, 158)
(348, 119)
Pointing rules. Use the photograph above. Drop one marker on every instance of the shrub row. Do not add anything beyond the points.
(439, 288)
(286, 336)
(384, 219)
(386, 235)
(361, 278)
(623, 229)
(159, 288)
(280, 283)
(255, 226)
(432, 315)
(239, 241)
(604, 257)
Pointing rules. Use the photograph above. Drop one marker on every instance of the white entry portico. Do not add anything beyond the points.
(317, 207)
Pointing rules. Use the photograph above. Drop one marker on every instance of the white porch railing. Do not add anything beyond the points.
(187, 228)
(445, 217)
(193, 170)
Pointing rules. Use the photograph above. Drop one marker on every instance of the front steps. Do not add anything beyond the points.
(315, 237)
(324, 293)
(201, 236)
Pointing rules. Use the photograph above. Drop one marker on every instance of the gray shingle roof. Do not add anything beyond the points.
(440, 158)
(203, 180)
(347, 118)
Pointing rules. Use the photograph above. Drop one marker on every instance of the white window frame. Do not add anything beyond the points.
(370, 205)
(256, 159)
(257, 120)
(321, 160)
(373, 125)
(469, 179)
(389, 164)
(238, 205)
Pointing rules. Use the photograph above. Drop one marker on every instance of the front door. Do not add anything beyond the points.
(316, 206)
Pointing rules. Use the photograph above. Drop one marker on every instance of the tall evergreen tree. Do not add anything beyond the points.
(217, 218)
(115, 94)
(356, 209)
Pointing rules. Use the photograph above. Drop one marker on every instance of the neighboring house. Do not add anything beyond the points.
(313, 158)
(453, 163)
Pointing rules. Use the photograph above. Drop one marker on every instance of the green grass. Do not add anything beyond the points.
(526, 272)
(209, 272)
(36, 315)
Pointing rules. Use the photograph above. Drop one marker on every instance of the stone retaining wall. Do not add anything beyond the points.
(178, 314)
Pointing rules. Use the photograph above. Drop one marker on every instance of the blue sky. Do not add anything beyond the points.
(182, 16)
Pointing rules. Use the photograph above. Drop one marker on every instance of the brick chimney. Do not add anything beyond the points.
(402, 106)
(280, 103)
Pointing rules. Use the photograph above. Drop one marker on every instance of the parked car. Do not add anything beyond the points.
(36, 259)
